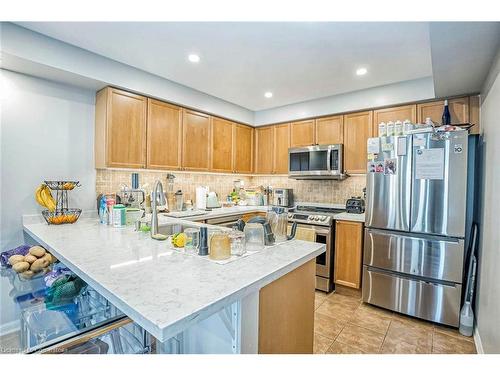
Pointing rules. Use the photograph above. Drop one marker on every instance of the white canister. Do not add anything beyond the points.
(390, 129)
(382, 132)
(407, 126)
(398, 128)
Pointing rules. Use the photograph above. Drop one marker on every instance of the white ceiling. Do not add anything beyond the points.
(241, 61)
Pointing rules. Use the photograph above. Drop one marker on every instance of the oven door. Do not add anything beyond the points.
(321, 235)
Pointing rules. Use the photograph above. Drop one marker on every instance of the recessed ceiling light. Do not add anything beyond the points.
(268, 94)
(361, 71)
(194, 58)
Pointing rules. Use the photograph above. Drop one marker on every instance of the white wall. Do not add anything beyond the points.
(401, 92)
(488, 293)
(47, 132)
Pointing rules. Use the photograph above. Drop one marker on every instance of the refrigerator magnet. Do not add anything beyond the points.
(379, 167)
(370, 167)
(390, 166)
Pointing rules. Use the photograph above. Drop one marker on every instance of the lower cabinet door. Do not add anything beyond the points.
(416, 297)
(117, 336)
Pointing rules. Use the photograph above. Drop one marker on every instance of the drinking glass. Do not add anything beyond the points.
(192, 240)
(254, 236)
(237, 239)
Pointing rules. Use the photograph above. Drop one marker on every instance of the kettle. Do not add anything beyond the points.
(269, 236)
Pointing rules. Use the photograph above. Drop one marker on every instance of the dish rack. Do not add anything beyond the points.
(62, 214)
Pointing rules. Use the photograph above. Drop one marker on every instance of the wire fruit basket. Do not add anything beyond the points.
(62, 214)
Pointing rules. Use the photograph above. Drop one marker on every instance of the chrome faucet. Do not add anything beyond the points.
(157, 198)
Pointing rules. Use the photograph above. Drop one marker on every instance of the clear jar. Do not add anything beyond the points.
(220, 246)
(398, 128)
(407, 126)
(237, 239)
(390, 129)
(382, 131)
(192, 240)
(254, 236)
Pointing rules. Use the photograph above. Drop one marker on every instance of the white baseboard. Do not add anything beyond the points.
(477, 341)
(9, 327)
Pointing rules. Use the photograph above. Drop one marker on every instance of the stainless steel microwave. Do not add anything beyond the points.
(316, 162)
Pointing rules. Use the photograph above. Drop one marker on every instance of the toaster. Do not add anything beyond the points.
(355, 205)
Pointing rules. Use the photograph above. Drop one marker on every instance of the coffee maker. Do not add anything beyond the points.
(282, 197)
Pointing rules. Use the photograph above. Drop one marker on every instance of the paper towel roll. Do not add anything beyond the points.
(201, 197)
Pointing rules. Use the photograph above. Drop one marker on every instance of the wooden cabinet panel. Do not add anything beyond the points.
(164, 135)
(357, 130)
(222, 145)
(459, 110)
(302, 133)
(330, 130)
(474, 104)
(120, 134)
(286, 313)
(348, 253)
(281, 145)
(401, 113)
(264, 149)
(243, 148)
(195, 140)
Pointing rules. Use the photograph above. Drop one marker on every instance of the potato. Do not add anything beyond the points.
(39, 264)
(30, 258)
(37, 251)
(16, 259)
(27, 274)
(49, 257)
(21, 267)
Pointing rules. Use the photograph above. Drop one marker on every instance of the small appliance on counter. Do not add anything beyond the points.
(355, 205)
(212, 200)
(282, 197)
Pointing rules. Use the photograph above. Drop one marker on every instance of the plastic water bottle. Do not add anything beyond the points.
(466, 319)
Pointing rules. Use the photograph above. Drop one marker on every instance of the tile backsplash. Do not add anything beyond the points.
(320, 191)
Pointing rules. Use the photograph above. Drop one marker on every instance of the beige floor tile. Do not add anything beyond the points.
(453, 332)
(419, 336)
(365, 339)
(446, 344)
(341, 348)
(318, 303)
(409, 321)
(376, 310)
(346, 291)
(343, 299)
(396, 346)
(339, 308)
(327, 326)
(321, 344)
(367, 318)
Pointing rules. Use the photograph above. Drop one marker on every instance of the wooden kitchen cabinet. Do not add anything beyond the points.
(357, 130)
(243, 148)
(459, 110)
(120, 129)
(195, 140)
(474, 105)
(264, 149)
(281, 145)
(222, 145)
(164, 130)
(348, 253)
(302, 133)
(401, 113)
(329, 130)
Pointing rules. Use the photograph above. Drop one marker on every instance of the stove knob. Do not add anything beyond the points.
(323, 218)
(316, 218)
(290, 216)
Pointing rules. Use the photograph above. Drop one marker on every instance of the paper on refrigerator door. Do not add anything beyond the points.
(373, 146)
(429, 164)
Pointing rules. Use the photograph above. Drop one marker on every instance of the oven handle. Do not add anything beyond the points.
(317, 229)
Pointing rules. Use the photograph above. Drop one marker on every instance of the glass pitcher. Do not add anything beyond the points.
(278, 219)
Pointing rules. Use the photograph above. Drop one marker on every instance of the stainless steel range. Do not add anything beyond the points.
(321, 220)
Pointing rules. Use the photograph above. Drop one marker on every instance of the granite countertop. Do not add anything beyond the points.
(161, 289)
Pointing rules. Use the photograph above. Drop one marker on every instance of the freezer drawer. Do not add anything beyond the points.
(423, 256)
(439, 303)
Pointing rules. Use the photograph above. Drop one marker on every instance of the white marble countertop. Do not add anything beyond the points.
(350, 217)
(161, 289)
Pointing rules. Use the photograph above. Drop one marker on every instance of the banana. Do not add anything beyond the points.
(44, 197)
(38, 195)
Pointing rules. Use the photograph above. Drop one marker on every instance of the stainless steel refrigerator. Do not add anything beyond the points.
(415, 235)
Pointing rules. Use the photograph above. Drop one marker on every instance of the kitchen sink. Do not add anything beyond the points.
(169, 229)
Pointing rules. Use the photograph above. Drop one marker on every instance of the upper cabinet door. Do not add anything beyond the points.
(459, 110)
(126, 129)
(357, 130)
(474, 104)
(401, 113)
(164, 135)
(243, 148)
(222, 145)
(302, 133)
(281, 145)
(195, 140)
(330, 130)
(264, 149)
